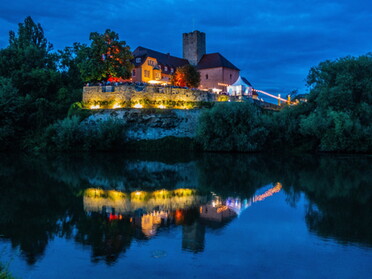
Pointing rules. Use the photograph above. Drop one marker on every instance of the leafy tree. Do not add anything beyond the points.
(187, 75)
(341, 97)
(106, 58)
(342, 84)
(69, 59)
(28, 61)
(12, 112)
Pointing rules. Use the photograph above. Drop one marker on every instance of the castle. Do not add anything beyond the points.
(216, 72)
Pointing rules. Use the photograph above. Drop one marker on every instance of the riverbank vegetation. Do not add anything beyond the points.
(40, 90)
(336, 117)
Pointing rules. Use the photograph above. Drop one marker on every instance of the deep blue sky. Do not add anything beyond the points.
(273, 42)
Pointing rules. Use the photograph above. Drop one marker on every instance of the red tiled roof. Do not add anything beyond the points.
(215, 60)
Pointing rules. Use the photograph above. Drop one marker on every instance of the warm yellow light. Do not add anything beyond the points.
(95, 107)
(161, 106)
(154, 81)
(138, 106)
(116, 106)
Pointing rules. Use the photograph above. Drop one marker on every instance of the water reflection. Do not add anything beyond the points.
(106, 202)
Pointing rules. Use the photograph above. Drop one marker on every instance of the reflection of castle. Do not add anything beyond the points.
(148, 211)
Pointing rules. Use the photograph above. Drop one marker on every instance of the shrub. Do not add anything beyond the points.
(231, 127)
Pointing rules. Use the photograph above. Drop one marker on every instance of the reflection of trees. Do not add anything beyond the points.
(340, 198)
(33, 207)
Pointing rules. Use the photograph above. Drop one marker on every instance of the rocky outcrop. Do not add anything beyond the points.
(151, 124)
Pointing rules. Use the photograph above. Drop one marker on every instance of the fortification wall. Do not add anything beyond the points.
(132, 93)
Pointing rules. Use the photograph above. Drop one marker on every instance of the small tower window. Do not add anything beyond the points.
(138, 60)
(134, 72)
(230, 76)
(206, 76)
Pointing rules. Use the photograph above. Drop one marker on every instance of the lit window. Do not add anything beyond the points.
(166, 68)
(138, 60)
(171, 70)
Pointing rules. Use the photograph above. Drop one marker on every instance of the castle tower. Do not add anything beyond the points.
(194, 46)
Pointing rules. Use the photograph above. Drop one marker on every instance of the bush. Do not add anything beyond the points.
(231, 127)
(69, 135)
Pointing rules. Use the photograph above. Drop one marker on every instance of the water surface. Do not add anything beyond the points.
(186, 216)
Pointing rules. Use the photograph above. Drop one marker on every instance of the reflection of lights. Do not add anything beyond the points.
(138, 106)
(222, 209)
(115, 217)
(116, 106)
(95, 107)
(161, 106)
(178, 214)
(268, 193)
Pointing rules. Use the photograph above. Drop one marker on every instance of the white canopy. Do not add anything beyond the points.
(240, 87)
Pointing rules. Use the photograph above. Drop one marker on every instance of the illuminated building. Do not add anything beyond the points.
(216, 72)
(154, 67)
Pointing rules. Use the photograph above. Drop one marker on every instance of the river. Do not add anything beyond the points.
(186, 216)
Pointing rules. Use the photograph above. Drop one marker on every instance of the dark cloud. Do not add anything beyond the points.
(273, 42)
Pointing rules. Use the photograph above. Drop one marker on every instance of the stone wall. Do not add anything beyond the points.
(132, 93)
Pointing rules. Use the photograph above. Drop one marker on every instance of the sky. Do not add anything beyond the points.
(273, 42)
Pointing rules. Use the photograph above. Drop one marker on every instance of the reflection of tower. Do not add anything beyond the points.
(193, 237)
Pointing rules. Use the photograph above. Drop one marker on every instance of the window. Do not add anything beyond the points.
(146, 73)
(206, 76)
(230, 76)
(159, 67)
(138, 60)
(171, 70)
(134, 72)
(166, 68)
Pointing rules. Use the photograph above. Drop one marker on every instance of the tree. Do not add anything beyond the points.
(342, 84)
(107, 58)
(11, 113)
(187, 75)
(28, 61)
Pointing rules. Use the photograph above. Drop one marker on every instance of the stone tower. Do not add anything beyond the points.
(194, 46)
